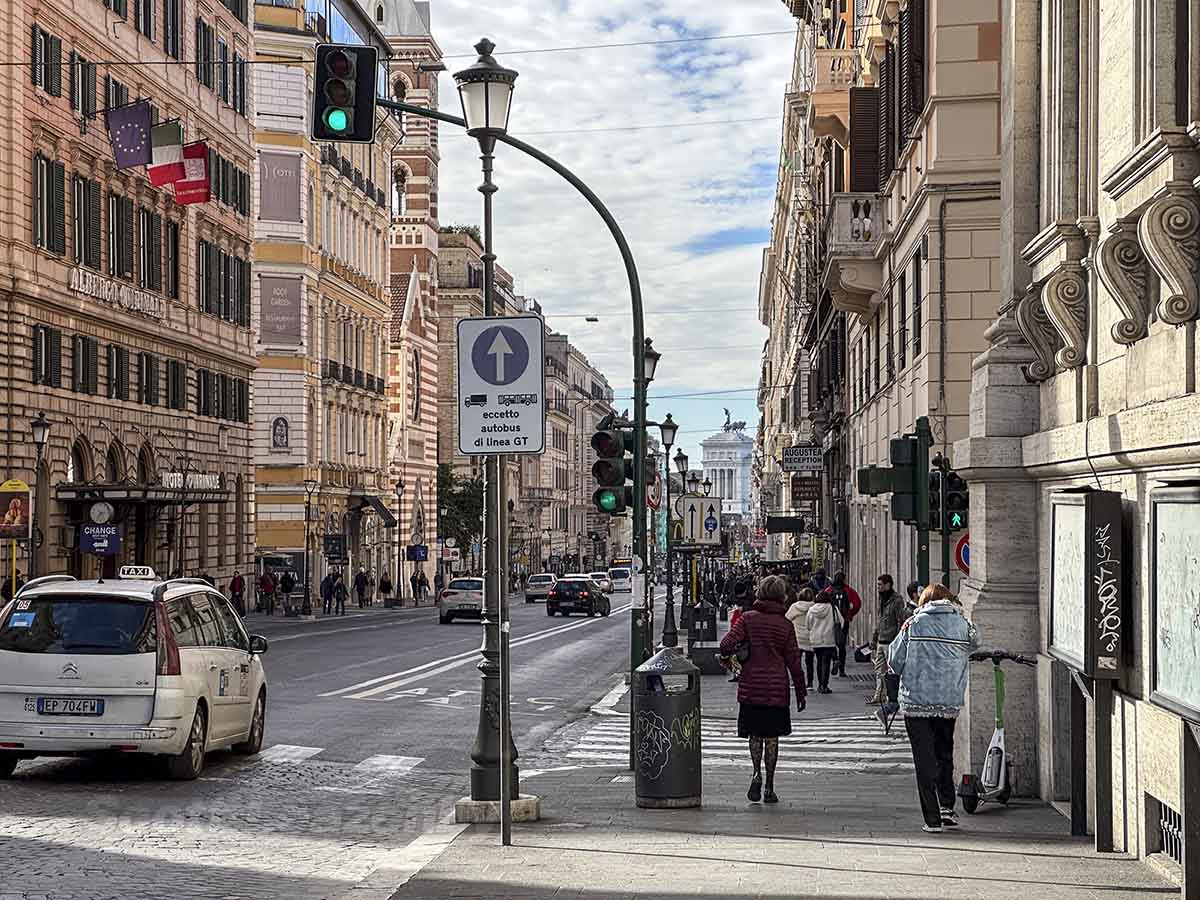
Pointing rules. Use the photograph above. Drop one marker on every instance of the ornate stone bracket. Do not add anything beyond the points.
(1036, 328)
(854, 285)
(1064, 296)
(1125, 272)
(1170, 235)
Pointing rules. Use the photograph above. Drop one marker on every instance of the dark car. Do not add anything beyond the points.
(577, 595)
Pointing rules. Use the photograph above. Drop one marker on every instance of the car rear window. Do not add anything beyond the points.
(618, 573)
(466, 584)
(78, 625)
(541, 579)
(574, 584)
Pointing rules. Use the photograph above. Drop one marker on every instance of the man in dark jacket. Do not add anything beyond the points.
(327, 594)
(846, 599)
(287, 584)
(893, 611)
(360, 588)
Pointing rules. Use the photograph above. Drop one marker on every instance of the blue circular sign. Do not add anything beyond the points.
(500, 355)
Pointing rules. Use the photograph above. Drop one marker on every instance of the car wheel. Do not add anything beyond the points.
(607, 609)
(8, 764)
(444, 619)
(549, 610)
(258, 725)
(592, 611)
(188, 765)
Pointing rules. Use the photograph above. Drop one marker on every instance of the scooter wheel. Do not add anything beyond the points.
(970, 805)
(1005, 794)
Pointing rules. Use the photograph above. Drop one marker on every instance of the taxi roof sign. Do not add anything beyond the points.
(137, 573)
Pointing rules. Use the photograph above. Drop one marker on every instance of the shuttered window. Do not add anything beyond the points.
(223, 69)
(172, 251)
(202, 392)
(891, 334)
(916, 282)
(902, 343)
(117, 359)
(205, 53)
(150, 250)
(120, 7)
(49, 205)
(173, 28)
(47, 356)
(239, 84)
(82, 85)
(887, 116)
(911, 71)
(143, 17)
(85, 365)
(864, 139)
(148, 379)
(176, 384)
(120, 236)
(46, 55)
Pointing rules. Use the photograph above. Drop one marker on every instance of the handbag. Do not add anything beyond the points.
(741, 650)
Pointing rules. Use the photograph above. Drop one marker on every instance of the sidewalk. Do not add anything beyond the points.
(835, 834)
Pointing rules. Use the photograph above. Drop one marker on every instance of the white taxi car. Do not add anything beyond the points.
(133, 665)
(462, 599)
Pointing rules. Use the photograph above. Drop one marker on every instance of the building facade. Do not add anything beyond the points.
(128, 316)
(727, 460)
(323, 302)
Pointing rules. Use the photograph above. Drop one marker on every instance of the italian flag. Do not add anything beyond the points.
(166, 160)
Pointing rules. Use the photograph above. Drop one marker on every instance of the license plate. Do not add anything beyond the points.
(65, 706)
(467, 608)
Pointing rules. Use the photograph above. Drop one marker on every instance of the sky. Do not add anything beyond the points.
(693, 198)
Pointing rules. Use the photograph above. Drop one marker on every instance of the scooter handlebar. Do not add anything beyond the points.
(998, 656)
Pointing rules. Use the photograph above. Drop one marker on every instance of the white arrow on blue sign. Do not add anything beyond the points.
(501, 385)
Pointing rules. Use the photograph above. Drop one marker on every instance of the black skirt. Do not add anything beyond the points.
(763, 721)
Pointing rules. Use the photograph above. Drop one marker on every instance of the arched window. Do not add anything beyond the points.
(114, 469)
(399, 193)
(379, 13)
(145, 466)
(77, 467)
(399, 92)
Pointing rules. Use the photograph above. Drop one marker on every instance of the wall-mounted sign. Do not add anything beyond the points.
(100, 540)
(279, 302)
(280, 434)
(279, 187)
(192, 481)
(1175, 599)
(802, 458)
(417, 553)
(1087, 582)
(16, 511)
(805, 490)
(334, 546)
(118, 294)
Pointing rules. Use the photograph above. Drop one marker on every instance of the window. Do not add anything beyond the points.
(379, 13)
(231, 625)
(238, 8)
(150, 246)
(311, 217)
(173, 260)
(143, 17)
(85, 365)
(173, 27)
(47, 62)
(223, 69)
(204, 53)
(115, 93)
(891, 336)
(49, 214)
(82, 85)
(876, 383)
(399, 189)
(239, 84)
(147, 379)
(916, 280)
(120, 236)
(176, 384)
(911, 69)
(902, 345)
(47, 356)
(120, 7)
(117, 359)
(85, 208)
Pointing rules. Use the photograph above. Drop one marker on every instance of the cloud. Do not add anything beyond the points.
(694, 202)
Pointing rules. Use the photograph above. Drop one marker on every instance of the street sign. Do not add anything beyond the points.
(654, 492)
(100, 540)
(802, 458)
(700, 521)
(805, 490)
(962, 554)
(785, 525)
(417, 553)
(501, 385)
(335, 548)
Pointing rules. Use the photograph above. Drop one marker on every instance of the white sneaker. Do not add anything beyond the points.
(932, 829)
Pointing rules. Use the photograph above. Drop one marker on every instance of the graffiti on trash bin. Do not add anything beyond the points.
(653, 747)
(686, 730)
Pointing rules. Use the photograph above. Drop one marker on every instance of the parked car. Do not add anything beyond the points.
(602, 579)
(461, 599)
(538, 587)
(622, 580)
(133, 664)
(577, 594)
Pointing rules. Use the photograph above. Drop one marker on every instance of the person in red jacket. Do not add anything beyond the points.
(846, 599)
(763, 695)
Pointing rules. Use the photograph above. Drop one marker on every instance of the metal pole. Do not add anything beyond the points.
(924, 442)
(33, 529)
(306, 609)
(945, 530)
(670, 634)
(400, 553)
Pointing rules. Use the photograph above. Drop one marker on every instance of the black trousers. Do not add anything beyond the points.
(932, 742)
(824, 662)
(840, 637)
(810, 657)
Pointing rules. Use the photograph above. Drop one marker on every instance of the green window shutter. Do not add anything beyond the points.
(127, 236)
(57, 242)
(54, 67)
(156, 232)
(39, 359)
(123, 371)
(89, 90)
(73, 80)
(92, 190)
(54, 375)
(36, 68)
(93, 350)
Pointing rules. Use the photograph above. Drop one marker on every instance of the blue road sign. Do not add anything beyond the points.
(500, 355)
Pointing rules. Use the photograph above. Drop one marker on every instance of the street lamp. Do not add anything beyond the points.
(668, 429)
(693, 483)
(41, 433)
(400, 545)
(652, 357)
(485, 89)
(310, 487)
(670, 632)
(681, 463)
(707, 486)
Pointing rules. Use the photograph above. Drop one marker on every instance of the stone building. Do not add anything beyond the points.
(1087, 381)
(322, 218)
(727, 459)
(128, 316)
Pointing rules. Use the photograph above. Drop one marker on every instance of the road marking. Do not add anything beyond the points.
(287, 753)
(389, 765)
(320, 632)
(611, 699)
(390, 683)
(399, 866)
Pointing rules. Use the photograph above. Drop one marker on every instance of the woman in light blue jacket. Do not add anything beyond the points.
(931, 655)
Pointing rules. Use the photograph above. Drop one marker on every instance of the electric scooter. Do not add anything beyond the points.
(993, 782)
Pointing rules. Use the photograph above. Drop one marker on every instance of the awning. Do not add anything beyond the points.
(385, 514)
(155, 495)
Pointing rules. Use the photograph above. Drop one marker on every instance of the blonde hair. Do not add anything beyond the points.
(936, 592)
(773, 587)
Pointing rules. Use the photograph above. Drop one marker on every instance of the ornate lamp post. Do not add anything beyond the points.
(41, 433)
(670, 633)
(400, 543)
(310, 488)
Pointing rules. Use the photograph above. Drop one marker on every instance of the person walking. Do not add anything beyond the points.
(763, 695)
(798, 615)
(415, 583)
(931, 655)
(266, 590)
(287, 584)
(893, 612)
(11, 587)
(385, 587)
(823, 620)
(439, 581)
(848, 603)
(818, 582)
(423, 585)
(237, 593)
(371, 585)
(339, 595)
(327, 594)
(360, 587)
(913, 594)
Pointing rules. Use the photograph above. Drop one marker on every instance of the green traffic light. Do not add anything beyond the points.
(956, 520)
(337, 119)
(607, 500)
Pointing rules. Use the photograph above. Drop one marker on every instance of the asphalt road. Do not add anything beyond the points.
(369, 727)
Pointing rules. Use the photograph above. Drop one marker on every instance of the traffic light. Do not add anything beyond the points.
(935, 499)
(344, 93)
(905, 485)
(956, 501)
(612, 469)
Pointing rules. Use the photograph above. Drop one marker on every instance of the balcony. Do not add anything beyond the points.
(835, 72)
(360, 378)
(289, 15)
(852, 275)
(332, 369)
(347, 374)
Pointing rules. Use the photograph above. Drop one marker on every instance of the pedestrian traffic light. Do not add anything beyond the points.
(935, 498)
(905, 483)
(611, 470)
(344, 83)
(956, 501)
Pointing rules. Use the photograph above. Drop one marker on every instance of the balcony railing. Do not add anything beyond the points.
(834, 70)
(360, 379)
(852, 274)
(347, 374)
(332, 369)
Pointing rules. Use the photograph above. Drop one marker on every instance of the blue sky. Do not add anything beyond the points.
(692, 186)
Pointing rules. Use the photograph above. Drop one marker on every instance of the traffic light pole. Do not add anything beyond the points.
(924, 443)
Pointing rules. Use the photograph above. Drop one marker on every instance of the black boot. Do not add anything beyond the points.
(755, 792)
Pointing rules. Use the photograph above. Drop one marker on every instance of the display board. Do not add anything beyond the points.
(1176, 599)
(1067, 576)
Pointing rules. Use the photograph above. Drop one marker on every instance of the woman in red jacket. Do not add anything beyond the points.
(763, 694)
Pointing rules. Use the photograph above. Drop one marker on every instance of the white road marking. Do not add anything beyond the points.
(389, 765)
(287, 753)
(611, 699)
(400, 866)
(453, 662)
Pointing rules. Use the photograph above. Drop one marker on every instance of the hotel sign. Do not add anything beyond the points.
(192, 481)
(116, 293)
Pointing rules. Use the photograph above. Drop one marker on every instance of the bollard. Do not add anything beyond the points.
(666, 732)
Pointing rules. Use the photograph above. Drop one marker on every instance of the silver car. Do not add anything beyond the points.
(539, 586)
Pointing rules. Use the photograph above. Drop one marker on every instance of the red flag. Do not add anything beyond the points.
(193, 187)
(166, 161)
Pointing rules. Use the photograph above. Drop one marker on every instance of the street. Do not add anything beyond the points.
(369, 728)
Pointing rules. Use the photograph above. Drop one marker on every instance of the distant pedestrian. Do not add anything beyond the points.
(893, 612)
(823, 621)
(439, 581)
(371, 585)
(266, 589)
(763, 695)
(415, 582)
(385, 587)
(931, 655)
(912, 595)
(237, 592)
(339, 595)
(742, 598)
(819, 581)
(846, 599)
(327, 594)
(287, 584)
(423, 585)
(360, 587)
(798, 615)
(10, 588)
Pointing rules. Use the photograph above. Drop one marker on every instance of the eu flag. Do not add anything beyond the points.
(129, 134)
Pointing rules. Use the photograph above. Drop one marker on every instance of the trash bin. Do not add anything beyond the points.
(666, 732)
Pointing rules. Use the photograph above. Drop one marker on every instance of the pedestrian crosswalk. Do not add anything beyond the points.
(847, 743)
(379, 764)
